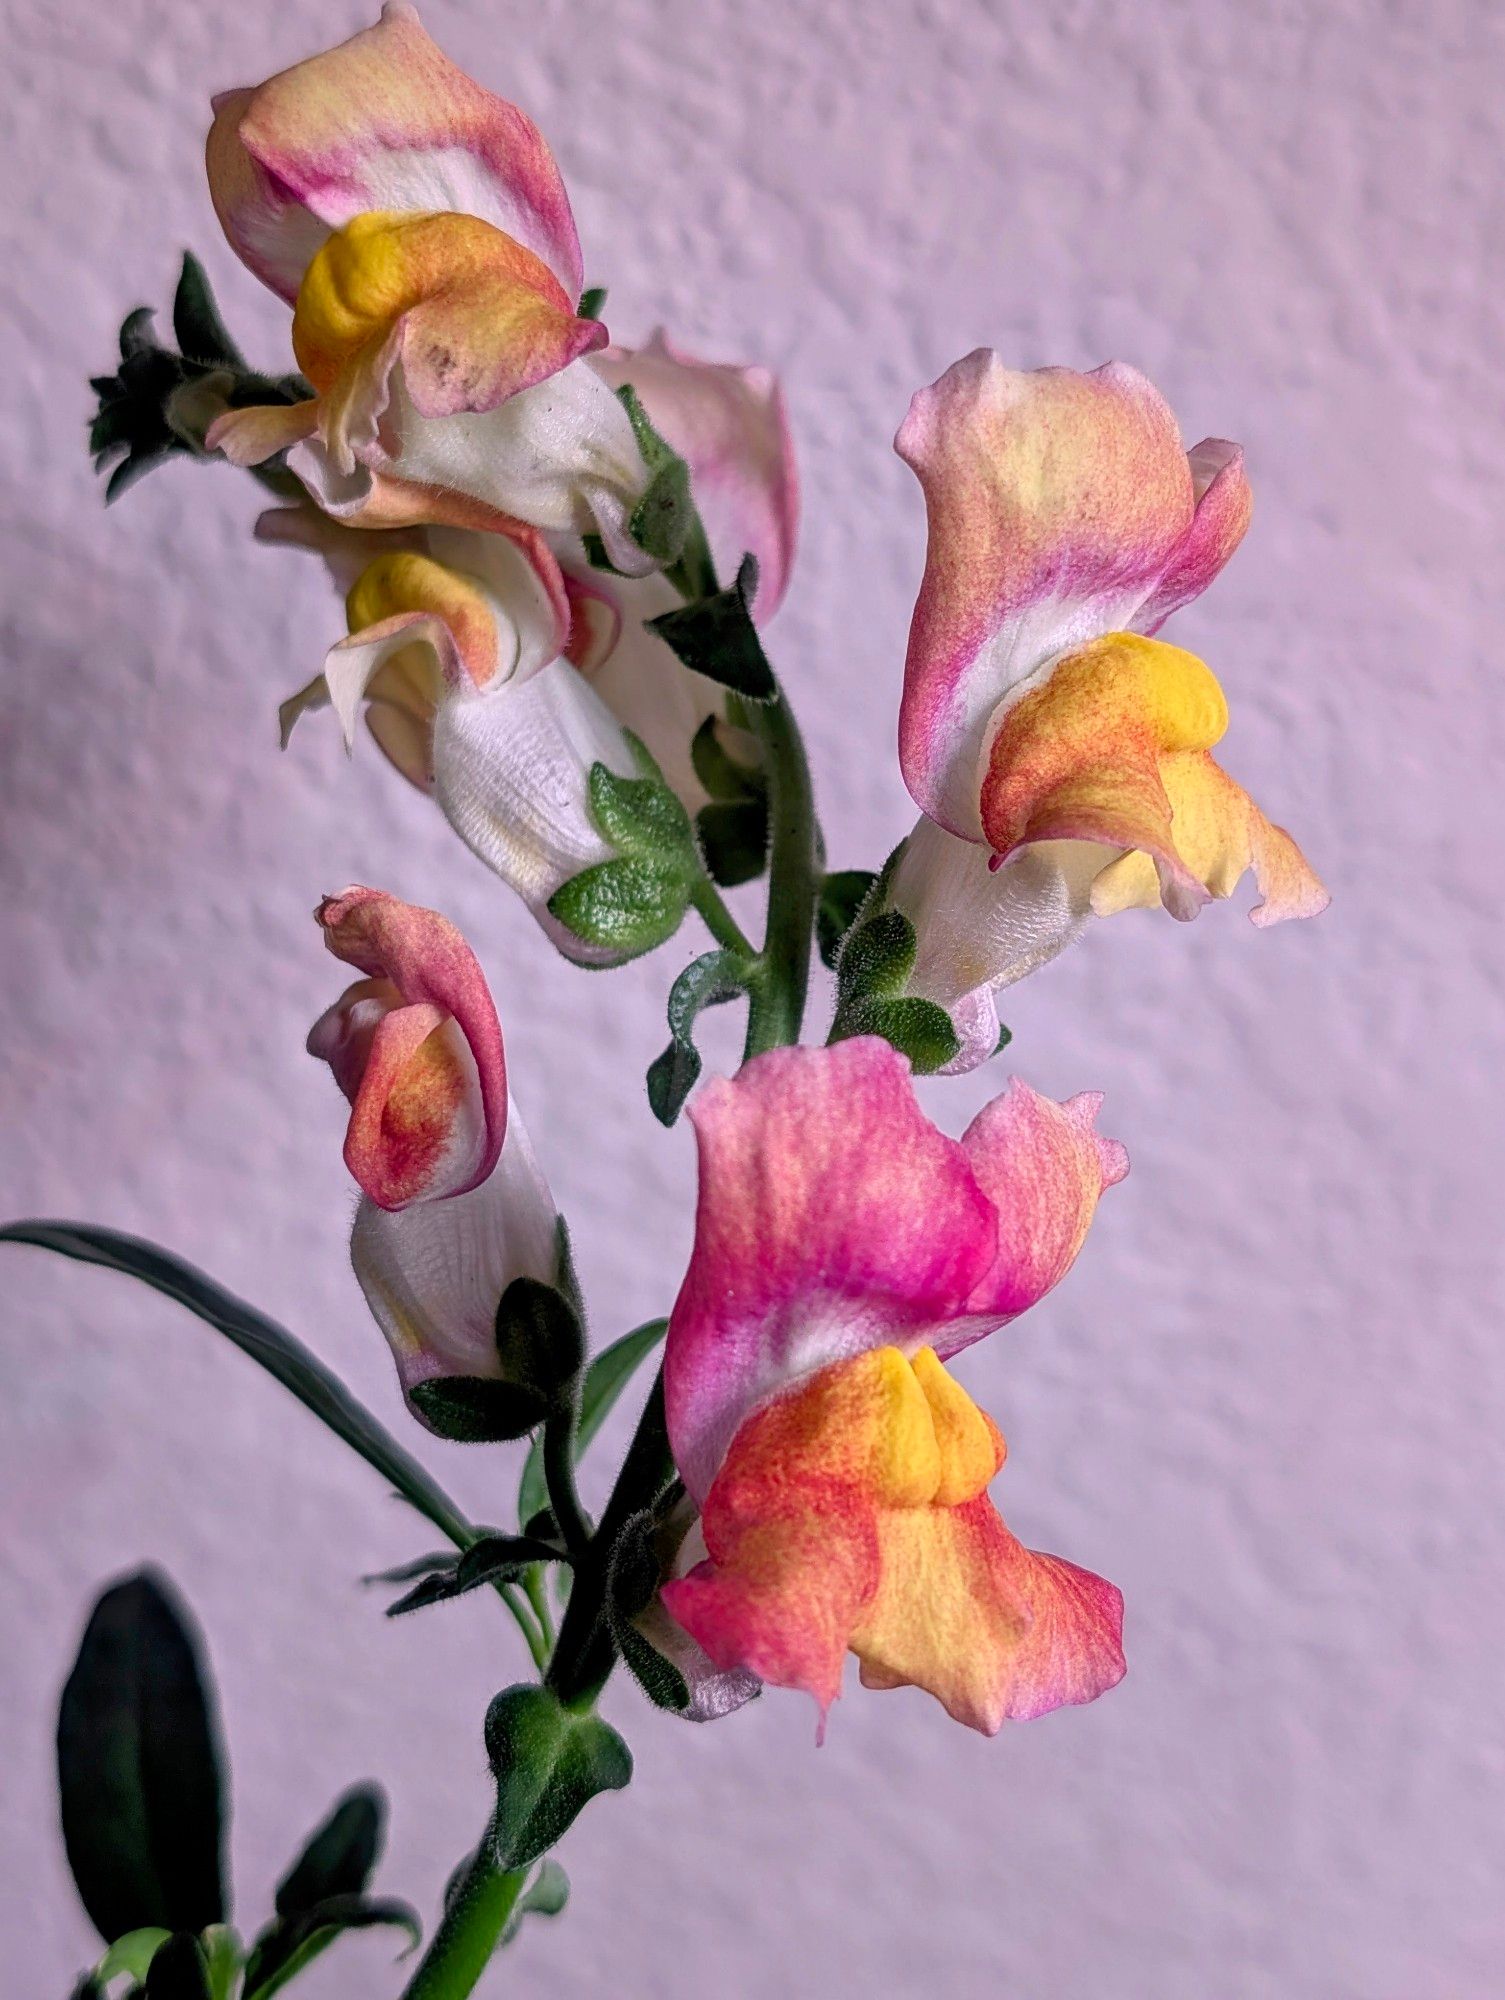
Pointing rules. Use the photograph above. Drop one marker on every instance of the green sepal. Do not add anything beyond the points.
(632, 1582)
(874, 967)
(549, 1762)
(338, 1857)
(605, 1379)
(592, 300)
(716, 637)
(640, 817)
(919, 1029)
(474, 1409)
(734, 841)
(842, 896)
(179, 1970)
(539, 1340)
(1005, 1036)
(545, 1896)
(624, 907)
(662, 519)
(712, 980)
(725, 777)
(197, 327)
(287, 1946)
(139, 1766)
(493, 1559)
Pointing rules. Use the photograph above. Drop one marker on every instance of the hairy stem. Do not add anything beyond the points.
(470, 1929)
(719, 921)
(777, 1008)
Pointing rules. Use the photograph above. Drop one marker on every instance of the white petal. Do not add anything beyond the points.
(434, 1273)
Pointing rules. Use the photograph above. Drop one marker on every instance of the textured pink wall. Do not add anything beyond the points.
(1269, 1402)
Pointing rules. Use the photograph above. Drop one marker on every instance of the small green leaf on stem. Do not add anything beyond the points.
(549, 1762)
(179, 1970)
(605, 1379)
(493, 1559)
(286, 1947)
(842, 896)
(545, 1896)
(716, 637)
(711, 981)
(339, 1855)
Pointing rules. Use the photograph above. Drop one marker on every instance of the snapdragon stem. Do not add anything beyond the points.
(777, 992)
(470, 1929)
(719, 921)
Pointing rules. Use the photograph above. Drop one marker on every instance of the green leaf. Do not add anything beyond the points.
(288, 1945)
(734, 841)
(493, 1559)
(716, 637)
(200, 332)
(549, 1762)
(661, 520)
(592, 300)
(842, 895)
(139, 1767)
(222, 1952)
(622, 906)
(131, 1955)
(179, 1971)
(474, 1409)
(605, 1379)
(441, 1559)
(539, 1340)
(339, 1856)
(271, 1346)
(545, 1896)
(919, 1029)
(640, 817)
(709, 982)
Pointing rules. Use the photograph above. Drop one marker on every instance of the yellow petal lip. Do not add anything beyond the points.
(477, 316)
(406, 581)
(1111, 745)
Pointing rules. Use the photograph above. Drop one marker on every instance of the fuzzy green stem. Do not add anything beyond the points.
(719, 921)
(777, 1008)
(469, 1931)
(559, 1477)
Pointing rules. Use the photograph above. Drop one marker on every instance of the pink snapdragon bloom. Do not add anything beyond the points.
(845, 1249)
(1062, 755)
(453, 1206)
(420, 229)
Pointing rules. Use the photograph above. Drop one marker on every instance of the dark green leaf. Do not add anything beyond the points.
(718, 977)
(473, 1409)
(442, 1559)
(539, 1339)
(657, 1676)
(493, 1559)
(716, 637)
(632, 1581)
(734, 841)
(287, 1946)
(339, 1856)
(919, 1029)
(275, 1349)
(545, 1896)
(179, 1970)
(592, 300)
(842, 895)
(1005, 1036)
(139, 1766)
(549, 1761)
(622, 906)
(201, 333)
(605, 1379)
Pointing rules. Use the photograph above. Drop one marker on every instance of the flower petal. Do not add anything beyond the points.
(512, 767)
(1044, 1167)
(1058, 505)
(811, 1240)
(995, 1632)
(427, 1077)
(980, 928)
(433, 1274)
(729, 425)
(253, 435)
(384, 121)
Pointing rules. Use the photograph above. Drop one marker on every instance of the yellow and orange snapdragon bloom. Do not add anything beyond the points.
(1060, 752)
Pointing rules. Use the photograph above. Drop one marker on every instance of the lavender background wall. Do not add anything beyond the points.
(1269, 1401)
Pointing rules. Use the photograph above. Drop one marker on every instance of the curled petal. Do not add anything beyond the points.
(980, 928)
(1059, 505)
(384, 121)
(1224, 504)
(1089, 755)
(470, 316)
(1044, 1167)
(811, 1242)
(251, 436)
(419, 1055)
(730, 426)
(512, 767)
(433, 1273)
